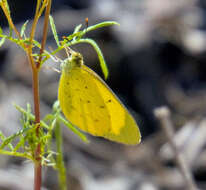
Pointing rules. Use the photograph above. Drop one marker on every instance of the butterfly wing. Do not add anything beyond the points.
(90, 104)
(123, 126)
(82, 104)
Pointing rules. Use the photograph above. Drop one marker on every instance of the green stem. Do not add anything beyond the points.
(59, 159)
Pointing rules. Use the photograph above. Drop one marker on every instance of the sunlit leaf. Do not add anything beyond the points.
(54, 31)
(23, 28)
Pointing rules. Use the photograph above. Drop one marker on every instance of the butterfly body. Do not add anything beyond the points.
(88, 103)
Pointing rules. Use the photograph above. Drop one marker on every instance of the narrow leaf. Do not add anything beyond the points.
(2, 41)
(77, 28)
(32, 117)
(18, 154)
(1, 31)
(23, 28)
(19, 144)
(70, 126)
(99, 53)
(12, 137)
(100, 25)
(54, 31)
(2, 137)
(76, 32)
(73, 36)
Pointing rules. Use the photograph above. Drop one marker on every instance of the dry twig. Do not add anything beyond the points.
(163, 114)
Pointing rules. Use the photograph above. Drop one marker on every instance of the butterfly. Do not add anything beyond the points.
(89, 104)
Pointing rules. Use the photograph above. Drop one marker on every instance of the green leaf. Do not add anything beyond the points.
(2, 41)
(7, 140)
(54, 31)
(1, 31)
(99, 53)
(76, 32)
(77, 28)
(76, 39)
(100, 25)
(48, 117)
(56, 107)
(74, 129)
(19, 144)
(57, 117)
(31, 116)
(23, 28)
(73, 36)
(2, 137)
(18, 154)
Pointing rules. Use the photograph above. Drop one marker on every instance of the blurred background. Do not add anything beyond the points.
(155, 57)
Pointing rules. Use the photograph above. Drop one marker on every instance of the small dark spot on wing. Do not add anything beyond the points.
(96, 120)
(73, 107)
(109, 101)
(86, 87)
(101, 106)
(88, 101)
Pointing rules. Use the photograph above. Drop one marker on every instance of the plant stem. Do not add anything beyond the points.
(45, 31)
(35, 75)
(59, 158)
(9, 19)
(37, 170)
(35, 72)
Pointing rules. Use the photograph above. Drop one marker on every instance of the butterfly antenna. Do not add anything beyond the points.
(53, 69)
(68, 51)
(54, 57)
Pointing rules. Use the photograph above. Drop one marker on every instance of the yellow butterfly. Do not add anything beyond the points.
(88, 103)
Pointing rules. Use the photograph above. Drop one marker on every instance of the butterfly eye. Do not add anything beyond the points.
(76, 59)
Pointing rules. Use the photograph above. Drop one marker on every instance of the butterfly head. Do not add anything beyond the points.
(75, 60)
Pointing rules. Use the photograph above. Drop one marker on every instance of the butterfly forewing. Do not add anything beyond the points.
(82, 103)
